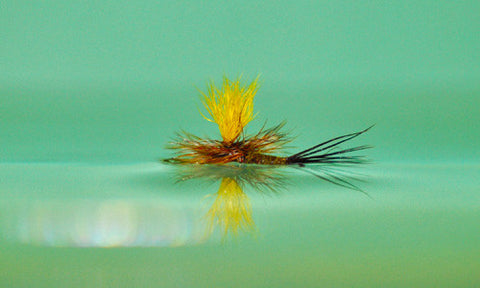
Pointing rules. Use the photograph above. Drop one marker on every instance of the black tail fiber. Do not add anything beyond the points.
(325, 152)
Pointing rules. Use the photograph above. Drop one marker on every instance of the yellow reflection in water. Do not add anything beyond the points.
(231, 211)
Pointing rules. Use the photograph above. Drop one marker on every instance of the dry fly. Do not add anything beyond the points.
(231, 108)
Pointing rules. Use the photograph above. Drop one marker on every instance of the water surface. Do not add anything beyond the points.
(81, 225)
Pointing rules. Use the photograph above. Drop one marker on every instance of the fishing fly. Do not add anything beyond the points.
(231, 108)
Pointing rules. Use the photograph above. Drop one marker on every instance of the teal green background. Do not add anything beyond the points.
(113, 80)
(92, 91)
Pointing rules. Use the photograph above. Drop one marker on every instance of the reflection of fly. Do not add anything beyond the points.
(231, 107)
(231, 211)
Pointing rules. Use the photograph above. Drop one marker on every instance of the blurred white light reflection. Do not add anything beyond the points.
(109, 223)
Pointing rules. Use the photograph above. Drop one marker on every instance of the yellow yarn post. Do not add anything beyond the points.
(231, 107)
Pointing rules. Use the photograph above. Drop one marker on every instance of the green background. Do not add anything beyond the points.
(92, 91)
(113, 80)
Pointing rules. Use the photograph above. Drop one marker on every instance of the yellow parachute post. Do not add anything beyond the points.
(231, 107)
